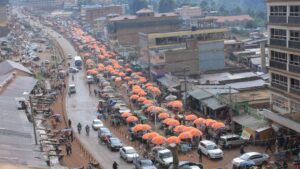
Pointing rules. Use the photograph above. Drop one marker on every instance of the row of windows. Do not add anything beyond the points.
(282, 57)
(282, 10)
(294, 59)
(279, 79)
(295, 84)
(283, 103)
(281, 34)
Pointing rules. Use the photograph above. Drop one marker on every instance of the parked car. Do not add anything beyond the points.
(210, 149)
(128, 153)
(73, 70)
(114, 144)
(96, 124)
(143, 164)
(231, 140)
(162, 156)
(188, 164)
(103, 131)
(250, 157)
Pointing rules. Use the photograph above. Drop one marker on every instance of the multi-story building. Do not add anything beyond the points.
(231, 21)
(91, 12)
(284, 52)
(4, 13)
(125, 29)
(44, 4)
(198, 50)
(189, 11)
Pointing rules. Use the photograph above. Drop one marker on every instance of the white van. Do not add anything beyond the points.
(72, 88)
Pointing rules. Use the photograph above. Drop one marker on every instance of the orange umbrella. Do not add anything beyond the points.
(128, 70)
(173, 122)
(147, 102)
(127, 78)
(158, 140)
(163, 115)
(134, 97)
(150, 108)
(185, 135)
(131, 82)
(148, 84)
(92, 71)
(175, 104)
(190, 117)
(166, 120)
(156, 109)
(194, 131)
(210, 122)
(199, 121)
(150, 135)
(122, 74)
(136, 87)
(143, 80)
(141, 99)
(141, 127)
(180, 128)
(126, 114)
(149, 87)
(131, 119)
(136, 91)
(142, 93)
(118, 79)
(218, 125)
(173, 140)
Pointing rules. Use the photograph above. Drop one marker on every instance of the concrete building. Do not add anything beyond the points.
(189, 12)
(44, 4)
(4, 15)
(125, 29)
(231, 46)
(199, 51)
(89, 13)
(231, 21)
(284, 52)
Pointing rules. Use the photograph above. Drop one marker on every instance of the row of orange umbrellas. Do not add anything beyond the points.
(209, 122)
(157, 139)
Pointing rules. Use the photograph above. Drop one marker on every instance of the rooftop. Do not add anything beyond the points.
(133, 17)
(8, 66)
(222, 19)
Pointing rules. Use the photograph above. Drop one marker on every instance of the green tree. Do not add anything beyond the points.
(138, 4)
(204, 4)
(236, 11)
(251, 24)
(166, 6)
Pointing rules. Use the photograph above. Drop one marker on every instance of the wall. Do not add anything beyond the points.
(211, 56)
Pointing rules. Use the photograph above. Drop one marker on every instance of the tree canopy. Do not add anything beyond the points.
(166, 6)
(138, 4)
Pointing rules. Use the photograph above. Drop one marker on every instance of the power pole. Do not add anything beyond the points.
(185, 89)
(33, 120)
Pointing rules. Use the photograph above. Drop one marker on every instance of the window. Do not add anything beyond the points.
(295, 84)
(278, 34)
(279, 56)
(278, 10)
(279, 102)
(294, 35)
(294, 59)
(295, 106)
(295, 10)
(279, 79)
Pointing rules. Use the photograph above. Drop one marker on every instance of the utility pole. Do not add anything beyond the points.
(33, 120)
(185, 89)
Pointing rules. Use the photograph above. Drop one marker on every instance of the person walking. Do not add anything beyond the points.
(200, 155)
(70, 123)
(87, 129)
(115, 165)
(79, 127)
(268, 146)
(242, 151)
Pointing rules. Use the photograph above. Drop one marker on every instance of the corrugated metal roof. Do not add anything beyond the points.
(213, 103)
(250, 122)
(169, 83)
(8, 65)
(199, 94)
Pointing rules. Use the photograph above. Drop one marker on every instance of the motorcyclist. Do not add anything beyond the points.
(115, 165)
(72, 77)
(87, 130)
(79, 127)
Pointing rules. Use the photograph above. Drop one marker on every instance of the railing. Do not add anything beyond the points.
(295, 91)
(294, 44)
(277, 19)
(294, 20)
(279, 86)
(278, 42)
(277, 64)
(294, 68)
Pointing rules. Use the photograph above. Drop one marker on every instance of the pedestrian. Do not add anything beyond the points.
(242, 151)
(70, 148)
(67, 150)
(95, 92)
(87, 130)
(200, 155)
(71, 136)
(268, 146)
(276, 145)
(70, 123)
(115, 165)
(79, 127)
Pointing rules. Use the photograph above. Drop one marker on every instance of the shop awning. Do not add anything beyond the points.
(169, 83)
(281, 120)
(213, 103)
(199, 94)
(251, 122)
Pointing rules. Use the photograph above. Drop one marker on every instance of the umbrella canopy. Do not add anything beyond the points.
(92, 71)
(173, 140)
(185, 135)
(158, 140)
(118, 79)
(149, 109)
(149, 136)
(149, 84)
(194, 131)
(190, 117)
(142, 93)
(136, 91)
(180, 128)
(163, 115)
(200, 121)
(218, 125)
(126, 114)
(147, 102)
(134, 97)
(175, 104)
(131, 119)
(141, 127)
(172, 122)
(210, 122)
(141, 99)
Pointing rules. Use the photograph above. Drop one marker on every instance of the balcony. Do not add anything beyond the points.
(278, 42)
(294, 68)
(277, 19)
(279, 86)
(294, 44)
(277, 64)
(295, 20)
(295, 91)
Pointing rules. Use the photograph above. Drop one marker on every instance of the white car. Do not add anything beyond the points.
(73, 70)
(210, 149)
(96, 124)
(128, 153)
(254, 158)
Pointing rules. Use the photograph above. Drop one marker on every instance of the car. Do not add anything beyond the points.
(90, 79)
(188, 164)
(114, 144)
(210, 149)
(73, 70)
(143, 164)
(35, 58)
(72, 88)
(128, 153)
(47, 62)
(251, 157)
(231, 140)
(103, 132)
(96, 124)
(161, 156)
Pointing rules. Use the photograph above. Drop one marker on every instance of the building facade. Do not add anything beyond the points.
(91, 12)
(44, 4)
(125, 29)
(231, 21)
(189, 12)
(284, 52)
(4, 15)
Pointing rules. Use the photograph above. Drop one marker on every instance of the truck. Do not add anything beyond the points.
(161, 156)
(78, 62)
